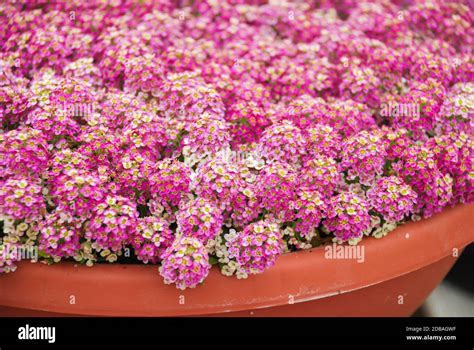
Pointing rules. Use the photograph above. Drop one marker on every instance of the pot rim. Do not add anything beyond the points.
(138, 290)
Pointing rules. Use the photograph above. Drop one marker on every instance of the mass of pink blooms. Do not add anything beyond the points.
(188, 134)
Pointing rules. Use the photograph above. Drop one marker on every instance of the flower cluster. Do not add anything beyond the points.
(457, 110)
(303, 112)
(113, 224)
(346, 117)
(347, 216)
(201, 219)
(310, 208)
(396, 142)
(363, 156)
(276, 187)
(15, 102)
(185, 263)
(228, 185)
(417, 167)
(360, 84)
(186, 96)
(392, 198)
(322, 140)
(321, 173)
(207, 136)
(143, 73)
(227, 264)
(192, 133)
(418, 108)
(23, 151)
(170, 181)
(60, 234)
(76, 190)
(133, 172)
(153, 237)
(8, 257)
(55, 124)
(246, 110)
(145, 131)
(282, 142)
(257, 247)
(21, 198)
(454, 155)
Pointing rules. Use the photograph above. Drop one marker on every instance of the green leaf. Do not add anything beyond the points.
(43, 254)
(213, 260)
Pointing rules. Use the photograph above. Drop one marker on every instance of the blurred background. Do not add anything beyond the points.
(454, 297)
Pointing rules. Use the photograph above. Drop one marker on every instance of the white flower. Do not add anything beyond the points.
(227, 271)
(241, 275)
(22, 227)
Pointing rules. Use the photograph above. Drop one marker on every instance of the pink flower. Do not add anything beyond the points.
(392, 198)
(185, 263)
(153, 237)
(23, 151)
(418, 168)
(21, 198)
(60, 235)
(348, 216)
(276, 187)
(200, 218)
(227, 185)
(364, 155)
(257, 247)
(113, 223)
(282, 142)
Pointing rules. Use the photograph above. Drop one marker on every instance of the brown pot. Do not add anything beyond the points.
(398, 273)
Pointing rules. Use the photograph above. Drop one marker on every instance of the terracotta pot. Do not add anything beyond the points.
(397, 274)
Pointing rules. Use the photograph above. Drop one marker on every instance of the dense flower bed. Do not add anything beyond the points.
(197, 133)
